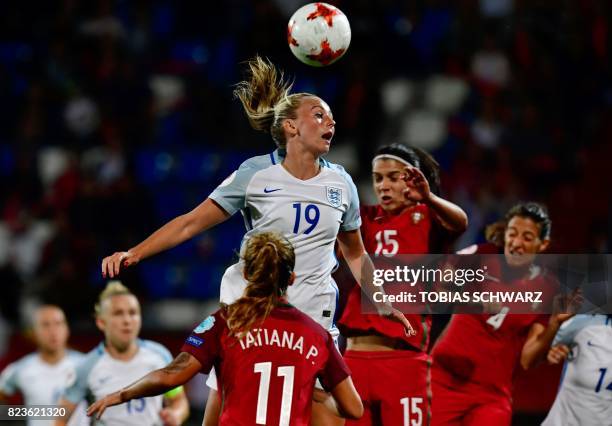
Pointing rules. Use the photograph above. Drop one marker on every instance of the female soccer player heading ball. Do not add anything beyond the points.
(291, 190)
(310, 201)
(268, 353)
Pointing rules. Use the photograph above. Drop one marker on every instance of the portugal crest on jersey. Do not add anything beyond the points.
(334, 196)
(417, 217)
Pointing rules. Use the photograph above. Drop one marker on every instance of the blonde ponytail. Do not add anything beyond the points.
(266, 99)
(269, 260)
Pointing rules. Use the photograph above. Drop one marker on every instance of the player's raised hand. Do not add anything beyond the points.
(557, 354)
(566, 306)
(169, 417)
(417, 187)
(397, 316)
(113, 264)
(98, 407)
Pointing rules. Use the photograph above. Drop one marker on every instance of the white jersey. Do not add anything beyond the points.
(585, 394)
(100, 374)
(309, 213)
(41, 383)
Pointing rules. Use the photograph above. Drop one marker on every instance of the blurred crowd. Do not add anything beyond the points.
(118, 115)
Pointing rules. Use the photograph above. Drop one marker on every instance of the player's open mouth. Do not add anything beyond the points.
(386, 199)
(328, 136)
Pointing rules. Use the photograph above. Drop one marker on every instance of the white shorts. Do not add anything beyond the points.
(318, 301)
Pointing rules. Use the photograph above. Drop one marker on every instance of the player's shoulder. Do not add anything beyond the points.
(75, 356)
(262, 167)
(212, 321)
(580, 321)
(338, 170)
(156, 349)
(259, 162)
(22, 364)
(570, 329)
(89, 360)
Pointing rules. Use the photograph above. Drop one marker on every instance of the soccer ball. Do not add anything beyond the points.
(318, 34)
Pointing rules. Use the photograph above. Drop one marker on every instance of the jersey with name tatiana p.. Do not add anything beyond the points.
(41, 383)
(267, 375)
(99, 374)
(309, 213)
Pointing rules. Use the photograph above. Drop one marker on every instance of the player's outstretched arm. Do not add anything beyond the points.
(178, 230)
(178, 372)
(362, 268)
(539, 340)
(451, 216)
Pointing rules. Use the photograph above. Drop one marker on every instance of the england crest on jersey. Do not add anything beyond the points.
(334, 196)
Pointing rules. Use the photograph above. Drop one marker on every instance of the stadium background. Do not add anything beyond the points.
(116, 116)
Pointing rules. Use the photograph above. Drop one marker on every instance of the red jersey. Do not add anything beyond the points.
(387, 235)
(484, 349)
(268, 375)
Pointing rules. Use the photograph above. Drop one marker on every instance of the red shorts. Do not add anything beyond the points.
(467, 404)
(394, 387)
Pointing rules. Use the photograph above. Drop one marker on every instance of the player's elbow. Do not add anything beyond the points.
(527, 360)
(459, 223)
(348, 400)
(463, 222)
(354, 410)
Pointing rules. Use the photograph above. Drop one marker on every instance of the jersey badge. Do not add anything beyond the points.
(205, 325)
(334, 196)
(417, 217)
(194, 341)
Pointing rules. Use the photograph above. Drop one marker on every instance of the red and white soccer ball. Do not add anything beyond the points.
(318, 34)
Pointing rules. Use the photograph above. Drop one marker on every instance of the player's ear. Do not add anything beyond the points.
(544, 245)
(290, 127)
(100, 324)
(291, 279)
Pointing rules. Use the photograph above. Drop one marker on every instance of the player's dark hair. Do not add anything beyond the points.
(266, 98)
(269, 260)
(534, 211)
(419, 158)
(494, 233)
